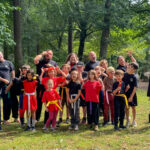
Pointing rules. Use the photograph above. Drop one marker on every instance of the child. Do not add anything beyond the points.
(119, 100)
(73, 94)
(131, 81)
(109, 98)
(148, 94)
(82, 76)
(29, 99)
(52, 104)
(92, 88)
(56, 82)
(64, 100)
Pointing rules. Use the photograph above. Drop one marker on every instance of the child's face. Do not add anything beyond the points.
(65, 69)
(98, 72)
(91, 76)
(24, 71)
(111, 74)
(80, 68)
(51, 73)
(29, 76)
(119, 77)
(73, 59)
(130, 69)
(74, 75)
(105, 65)
(50, 85)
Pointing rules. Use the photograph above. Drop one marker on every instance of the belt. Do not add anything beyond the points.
(54, 102)
(29, 94)
(124, 96)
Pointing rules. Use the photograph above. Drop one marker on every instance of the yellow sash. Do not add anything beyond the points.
(124, 96)
(62, 93)
(54, 102)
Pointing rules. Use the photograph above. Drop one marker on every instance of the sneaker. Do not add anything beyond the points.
(52, 129)
(76, 128)
(96, 128)
(46, 130)
(27, 129)
(44, 127)
(67, 121)
(116, 128)
(83, 120)
(127, 124)
(105, 123)
(33, 129)
(122, 127)
(134, 124)
(22, 125)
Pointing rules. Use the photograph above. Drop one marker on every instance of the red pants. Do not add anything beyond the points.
(52, 117)
(109, 106)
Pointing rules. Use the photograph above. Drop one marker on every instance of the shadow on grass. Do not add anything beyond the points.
(14, 130)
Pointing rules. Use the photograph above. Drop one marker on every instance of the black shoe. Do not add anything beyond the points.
(67, 121)
(22, 125)
(116, 128)
(105, 123)
(27, 129)
(122, 127)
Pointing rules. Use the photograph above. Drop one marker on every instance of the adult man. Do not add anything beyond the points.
(6, 68)
(43, 60)
(92, 63)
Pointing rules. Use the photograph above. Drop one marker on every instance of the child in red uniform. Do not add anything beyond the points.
(92, 88)
(29, 99)
(56, 82)
(52, 104)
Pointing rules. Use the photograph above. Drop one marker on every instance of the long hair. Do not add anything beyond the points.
(68, 57)
(94, 73)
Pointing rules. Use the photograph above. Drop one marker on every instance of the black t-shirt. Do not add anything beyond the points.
(6, 68)
(42, 64)
(123, 68)
(148, 91)
(115, 86)
(73, 87)
(131, 80)
(91, 65)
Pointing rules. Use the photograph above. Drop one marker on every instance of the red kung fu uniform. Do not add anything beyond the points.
(51, 96)
(30, 88)
(56, 80)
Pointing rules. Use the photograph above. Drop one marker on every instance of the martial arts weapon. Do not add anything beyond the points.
(54, 102)
(29, 104)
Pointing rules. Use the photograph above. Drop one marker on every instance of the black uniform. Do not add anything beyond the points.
(74, 87)
(131, 80)
(119, 105)
(123, 68)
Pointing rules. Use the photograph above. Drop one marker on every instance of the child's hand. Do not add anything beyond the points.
(118, 89)
(130, 99)
(129, 53)
(46, 109)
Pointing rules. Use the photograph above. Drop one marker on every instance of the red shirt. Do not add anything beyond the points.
(92, 91)
(51, 96)
(29, 86)
(56, 80)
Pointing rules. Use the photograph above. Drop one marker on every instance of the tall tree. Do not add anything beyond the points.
(18, 54)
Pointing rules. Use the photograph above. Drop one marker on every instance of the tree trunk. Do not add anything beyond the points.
(106, 31)
(69, 35)
(82, 42)
(5, 48)
(18, 55)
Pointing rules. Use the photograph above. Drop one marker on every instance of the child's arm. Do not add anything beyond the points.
(131, 56)
(61, 72)
(131, 96)
(116, 90)
(46, 109)
(127, 88)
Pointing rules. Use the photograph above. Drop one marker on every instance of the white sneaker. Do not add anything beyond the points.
(44, 127)
(134, 124)
(127, 124)
(76, 128)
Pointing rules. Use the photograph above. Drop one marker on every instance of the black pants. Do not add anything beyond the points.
(46, 116)
(93, 112)
(39, 102)
(75, 112)
(14, 103)
(6, 104)
(119, 110)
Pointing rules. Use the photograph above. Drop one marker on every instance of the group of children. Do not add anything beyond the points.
(105, 88)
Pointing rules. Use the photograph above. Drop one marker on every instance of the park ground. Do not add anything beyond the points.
(14, 138)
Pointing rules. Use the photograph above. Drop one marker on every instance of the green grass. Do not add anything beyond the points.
(14, 138)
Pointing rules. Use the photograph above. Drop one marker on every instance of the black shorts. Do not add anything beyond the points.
(134, 101)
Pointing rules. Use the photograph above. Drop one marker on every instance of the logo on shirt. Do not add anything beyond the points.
(131, 79)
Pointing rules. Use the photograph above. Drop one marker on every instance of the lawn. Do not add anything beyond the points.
(14, 138)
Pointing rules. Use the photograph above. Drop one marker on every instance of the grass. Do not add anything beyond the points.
(14, 138)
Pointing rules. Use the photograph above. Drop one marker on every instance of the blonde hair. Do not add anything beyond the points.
(103, 61)
(110, 69)
(119, 72)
